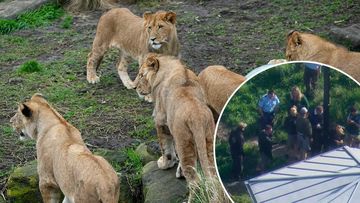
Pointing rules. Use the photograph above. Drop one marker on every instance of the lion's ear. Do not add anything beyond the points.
(147, 15)
(295, 37)
(170, 17)
(153, 62)
(25, 110)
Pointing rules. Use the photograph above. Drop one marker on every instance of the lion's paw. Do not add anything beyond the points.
(164, 163)
(93, 79)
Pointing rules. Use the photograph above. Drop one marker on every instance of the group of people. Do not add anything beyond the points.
(304, 127)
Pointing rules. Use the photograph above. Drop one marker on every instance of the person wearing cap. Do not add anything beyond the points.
(268, 105)
(304, 133)
(353, 126)
(236, 142)
(290, 127)
(311, 76)
(317, 122)
(265, 147)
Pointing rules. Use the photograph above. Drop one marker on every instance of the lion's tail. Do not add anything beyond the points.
(204, 142)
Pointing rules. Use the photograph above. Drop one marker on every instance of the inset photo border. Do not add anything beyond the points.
(279, 125)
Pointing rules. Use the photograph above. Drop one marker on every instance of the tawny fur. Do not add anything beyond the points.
(309, 47)
(134, 36)
(219, 83)
(181, 115)
(65, 164)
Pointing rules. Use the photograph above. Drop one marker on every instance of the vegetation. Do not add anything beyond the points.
(68, 20)
(30, 67)
(32, 19)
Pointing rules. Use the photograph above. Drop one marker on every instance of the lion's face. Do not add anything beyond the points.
(146, 75)
(22, 122)
(160, 27)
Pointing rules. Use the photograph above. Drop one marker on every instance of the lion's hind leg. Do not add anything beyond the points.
(168, 158)
(94, 59)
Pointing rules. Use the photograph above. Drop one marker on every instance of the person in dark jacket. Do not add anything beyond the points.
(265, 147)
(304, 133)
(336, 136)
(353, 127)
(290, 127)
(236, 142)
(317, 122)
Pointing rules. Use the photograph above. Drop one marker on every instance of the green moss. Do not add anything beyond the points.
(23, 184)
(30, 67)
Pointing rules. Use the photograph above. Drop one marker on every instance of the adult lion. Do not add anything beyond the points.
(219, 83)
(309, 47)
(135, 37)
(181, 115)
(65, 164)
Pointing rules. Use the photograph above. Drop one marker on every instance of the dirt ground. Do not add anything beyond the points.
(238, 34)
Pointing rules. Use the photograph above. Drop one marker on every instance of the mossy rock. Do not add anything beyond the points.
(23, 184)
(145, 154)
(162, 186)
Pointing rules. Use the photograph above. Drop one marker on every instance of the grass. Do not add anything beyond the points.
(207, 190)
(30, 67)
(42, 16)
(68, 21)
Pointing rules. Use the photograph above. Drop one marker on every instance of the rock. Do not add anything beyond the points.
(161, 185)
(145, 154)
(351, 33)
(22, 186)
(12, 9)
(15, 80)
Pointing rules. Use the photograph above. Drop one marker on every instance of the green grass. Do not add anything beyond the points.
(30, 67)
(68, 20)
(42, 16)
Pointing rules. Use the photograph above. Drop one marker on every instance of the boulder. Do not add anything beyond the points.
(350, 33)
(161, 185)
(145, 154)
(14, 8)
(22, 186)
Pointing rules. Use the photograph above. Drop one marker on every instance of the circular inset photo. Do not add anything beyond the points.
(291, 133)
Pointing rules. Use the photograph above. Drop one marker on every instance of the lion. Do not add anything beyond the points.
(219, 83)
(183, 120)
(309, 47)
(135, 37)
(65, 164)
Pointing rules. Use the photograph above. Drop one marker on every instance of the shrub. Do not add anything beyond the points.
(30, 67)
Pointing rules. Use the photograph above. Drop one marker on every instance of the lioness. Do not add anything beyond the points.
(219, 83)
(309, 47)
(64, 162)
(134, 36)
(181, 115)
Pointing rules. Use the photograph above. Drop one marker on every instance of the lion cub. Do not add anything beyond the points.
(309, 47)
(219, 83)
(181, 115)
(134, 36)
(65, 164)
